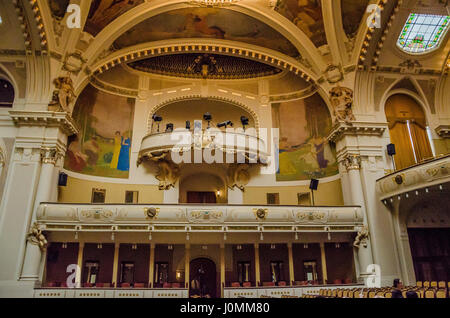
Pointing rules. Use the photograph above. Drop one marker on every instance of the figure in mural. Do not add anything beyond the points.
(124, 156)
(304, 151)
(100, 149)
(116, 152)
(77, 159)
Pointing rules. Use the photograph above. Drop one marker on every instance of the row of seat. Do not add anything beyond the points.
(385, 292)
(440, 284)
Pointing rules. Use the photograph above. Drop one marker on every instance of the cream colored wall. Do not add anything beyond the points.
(80, 191)
(329, 193)
(442, 146)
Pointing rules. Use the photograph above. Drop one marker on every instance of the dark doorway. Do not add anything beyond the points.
(430, 250)
(201, 197)
(203, 277)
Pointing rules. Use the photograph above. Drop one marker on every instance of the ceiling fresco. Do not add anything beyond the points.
(206, 23)
(352, 14)
(103, 12)
(307, 16)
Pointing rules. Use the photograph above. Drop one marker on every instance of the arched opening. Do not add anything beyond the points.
(6, 94)
(428, 227)
(202, 187)
(202, 272)
(408, 130)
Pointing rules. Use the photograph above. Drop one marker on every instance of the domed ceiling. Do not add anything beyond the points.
(212, 66)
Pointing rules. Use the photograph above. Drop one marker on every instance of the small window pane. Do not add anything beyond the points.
(423, 33)
(131, 196)
(273, 198)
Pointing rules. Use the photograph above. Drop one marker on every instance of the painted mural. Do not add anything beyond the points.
(307, 16)
(303, 149)
(103, 145)
(58, 8)
(352, 14)
(103, 12)
(206, 23)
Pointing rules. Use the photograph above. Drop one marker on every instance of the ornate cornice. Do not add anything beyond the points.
(44, 118)
(342, 129)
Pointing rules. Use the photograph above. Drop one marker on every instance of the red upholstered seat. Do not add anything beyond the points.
(281, 283)
(176, 285)
(125, 285)
(247, 284)
(87, 285)
(106, 285)
(337, 281)
(64, 284)
(167, 285)
(347, 281)
(268, 284)
(51, 284)
(99, 285)
(235, 284)
(139, 285)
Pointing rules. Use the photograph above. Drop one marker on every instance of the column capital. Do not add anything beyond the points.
(50, 155)
(352, 162)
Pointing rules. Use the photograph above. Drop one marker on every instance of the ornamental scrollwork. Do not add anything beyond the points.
(342, 100)
(261, 213)
(362, 237)
(64, 95)
(36, 237)
(167, 175)
(238, 176)
(151, 213)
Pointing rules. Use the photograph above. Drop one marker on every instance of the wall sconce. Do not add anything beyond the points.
(218, 193)
(305, 245)
(272, 246)
(134, 246)
(64, 245)
(99, 246)
(204, 247)
(170, 247)
(179, 275)
(337, 245)
(239, 247)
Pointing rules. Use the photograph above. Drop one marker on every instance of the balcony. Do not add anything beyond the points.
(184, 143)
(148, 218)
(426, 174)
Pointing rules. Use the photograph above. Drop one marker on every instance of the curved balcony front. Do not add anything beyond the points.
(426, 174)
(207, 146)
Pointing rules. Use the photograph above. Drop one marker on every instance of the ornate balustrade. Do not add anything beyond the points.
(426, 174)
(197, 218)
(181, 141)
(110, 293)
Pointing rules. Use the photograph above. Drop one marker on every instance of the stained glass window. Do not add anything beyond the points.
(423, 32)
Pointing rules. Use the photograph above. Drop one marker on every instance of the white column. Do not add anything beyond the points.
(353, 164)
(235, 196)
(49, 156)
(172, 195)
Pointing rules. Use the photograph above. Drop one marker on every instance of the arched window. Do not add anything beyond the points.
(408, 130)
(6, 94)
(423, 33)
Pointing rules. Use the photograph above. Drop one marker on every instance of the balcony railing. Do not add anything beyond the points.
(183, 141)
(425, 174)
(197, 218)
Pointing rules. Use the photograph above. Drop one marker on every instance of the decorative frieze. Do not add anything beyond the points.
(356, 129)
(443, 131)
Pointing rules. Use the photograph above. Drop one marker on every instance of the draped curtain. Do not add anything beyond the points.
(401, 109)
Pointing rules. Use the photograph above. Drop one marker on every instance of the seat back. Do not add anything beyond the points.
(433, 284)
(419, 283)
(167, 285)
(125, 285)
(441, 293)
(281, 283)
(441, 284)
(429, 293)
(247, 284)
(426, 284)
(139, 285)
(235, 284)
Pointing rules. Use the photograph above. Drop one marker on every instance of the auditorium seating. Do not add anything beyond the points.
(425, 289)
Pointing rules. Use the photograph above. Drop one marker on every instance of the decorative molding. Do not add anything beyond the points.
(342, 129)
(45, 118)
(362, 237)
(50, 155)
(168, 174)
(138, 54)
(427, 174)
(352, 162)
(341, 99)
(36, 237)
(184, 218)
(238, 176)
